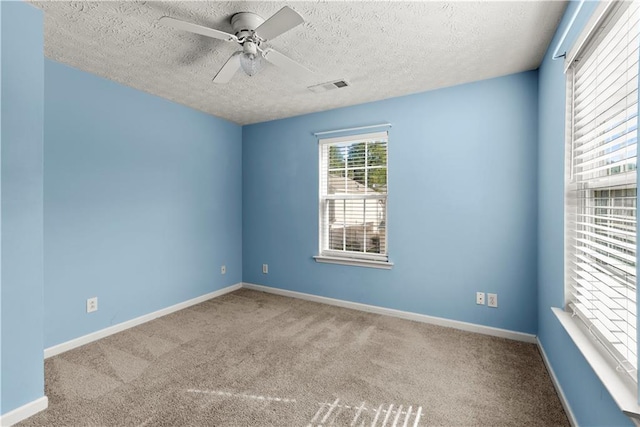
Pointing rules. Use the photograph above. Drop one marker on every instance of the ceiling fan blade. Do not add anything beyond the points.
(229, 69)
(287, 64)
(198, 29)
(281, 22)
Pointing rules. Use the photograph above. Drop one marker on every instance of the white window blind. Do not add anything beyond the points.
(353, 196)
(602, 187)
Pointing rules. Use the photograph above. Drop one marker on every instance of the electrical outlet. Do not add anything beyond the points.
(265, 268)
(480, 298)
(492, 300)
(92, 304)
(223, 269)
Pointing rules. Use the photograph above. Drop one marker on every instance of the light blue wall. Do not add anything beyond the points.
(589, 400)
(21, 278)
(142, 202)
(462, 203)
(1, 210)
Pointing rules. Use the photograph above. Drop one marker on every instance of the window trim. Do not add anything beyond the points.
(329, 256)
(621, 387)
(357, 262)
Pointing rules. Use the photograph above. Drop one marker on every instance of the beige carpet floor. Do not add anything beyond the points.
(255, 359)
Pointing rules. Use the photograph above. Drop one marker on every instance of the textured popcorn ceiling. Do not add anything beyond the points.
(384, 49)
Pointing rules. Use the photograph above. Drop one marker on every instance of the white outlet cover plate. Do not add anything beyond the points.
(492, 300)
(92, 304)
(480, 298)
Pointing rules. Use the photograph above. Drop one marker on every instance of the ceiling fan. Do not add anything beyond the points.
(251, 31)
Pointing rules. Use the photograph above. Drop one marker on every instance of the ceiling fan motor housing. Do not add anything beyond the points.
(249, 48)
(245, 23)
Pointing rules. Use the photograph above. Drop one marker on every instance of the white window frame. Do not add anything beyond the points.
(354, 258)
(621, 384)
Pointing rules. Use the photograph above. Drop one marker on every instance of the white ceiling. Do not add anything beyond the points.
(384, 49)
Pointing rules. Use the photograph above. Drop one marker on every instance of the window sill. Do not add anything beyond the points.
(619, 385)
(385, 265)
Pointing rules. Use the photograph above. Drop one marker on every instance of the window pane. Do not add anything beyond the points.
(377, 154)
(336, 183)
(357, 225)
(357, 155)
(377, 179)
(337, 157)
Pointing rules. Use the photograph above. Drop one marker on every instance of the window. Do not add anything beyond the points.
(600, 203)
(353, 199)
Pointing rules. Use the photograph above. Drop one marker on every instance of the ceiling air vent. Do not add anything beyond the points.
(323, 87)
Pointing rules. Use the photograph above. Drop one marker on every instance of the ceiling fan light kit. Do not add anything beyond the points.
(251, 32)
(251, 64)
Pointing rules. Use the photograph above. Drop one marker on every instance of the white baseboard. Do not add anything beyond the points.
(24, 412)
(85, 339)
(556, 384)
(465, 326)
